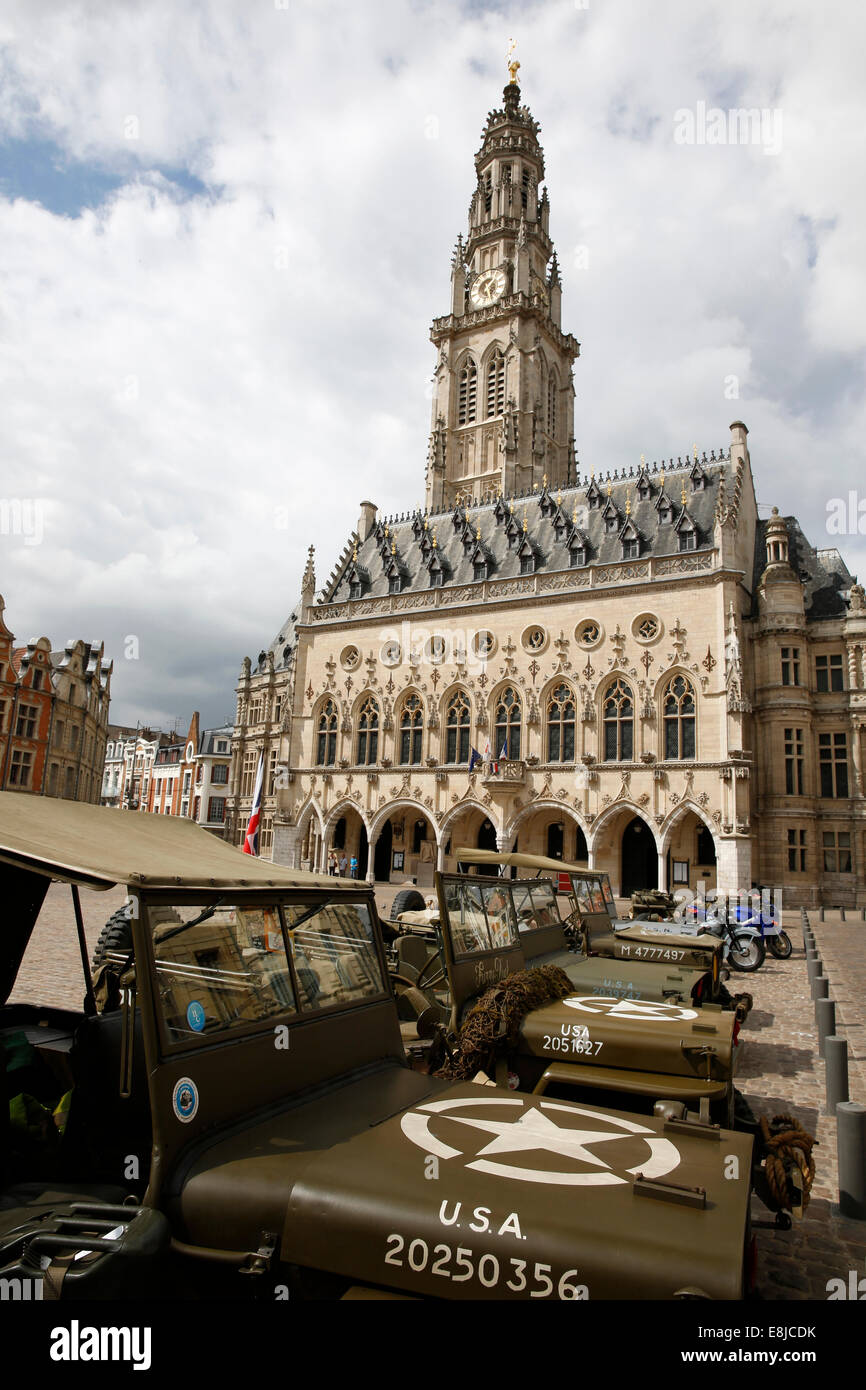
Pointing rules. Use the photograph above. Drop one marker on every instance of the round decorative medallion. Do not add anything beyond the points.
(589, 633)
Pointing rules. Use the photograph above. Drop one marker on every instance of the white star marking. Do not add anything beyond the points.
(534, 1131)
(643, 1009)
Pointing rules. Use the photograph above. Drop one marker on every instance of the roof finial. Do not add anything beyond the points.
(662, 477)
(641, 460)
(513, 64)
(434, 538)
(393, 547)
(628, 502)
(355, 553)
(544, 481)
(683, 495)
(696, 451)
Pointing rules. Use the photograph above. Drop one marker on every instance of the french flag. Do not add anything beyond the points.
(251, 839)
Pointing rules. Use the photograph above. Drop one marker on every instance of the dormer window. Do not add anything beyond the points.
(643, 491)
(664, 515)
(630, 549)
(688, 540)
(355, 589)
(527, 564)
(611, 523)
(394, 584)
(480, 569)
(578, 557)
(436, 579)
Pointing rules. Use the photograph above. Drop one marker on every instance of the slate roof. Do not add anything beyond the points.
(456, 531)
(208, 737)
(282, 647)
(825, 577)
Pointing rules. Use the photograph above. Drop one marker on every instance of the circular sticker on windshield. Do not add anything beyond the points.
(195, 1016)
(184, 1098)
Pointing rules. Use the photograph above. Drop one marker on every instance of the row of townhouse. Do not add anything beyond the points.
(53, 716)
(147, 770)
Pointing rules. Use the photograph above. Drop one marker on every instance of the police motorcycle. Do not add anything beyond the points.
(743, 941)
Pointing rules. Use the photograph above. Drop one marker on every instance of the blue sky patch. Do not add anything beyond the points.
(42, 172)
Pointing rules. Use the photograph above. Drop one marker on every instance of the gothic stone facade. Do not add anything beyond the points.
(659, 683)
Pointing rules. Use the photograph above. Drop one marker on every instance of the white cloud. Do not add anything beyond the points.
(177, 370)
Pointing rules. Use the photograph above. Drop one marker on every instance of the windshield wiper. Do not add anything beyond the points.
(202, 917)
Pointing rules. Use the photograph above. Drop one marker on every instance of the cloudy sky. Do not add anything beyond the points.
(226, 227)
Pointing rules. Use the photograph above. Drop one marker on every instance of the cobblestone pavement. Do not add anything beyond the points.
(781, 1073)
(780, 1070)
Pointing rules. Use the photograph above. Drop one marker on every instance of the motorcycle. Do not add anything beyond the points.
(775, 939)
(744, 948)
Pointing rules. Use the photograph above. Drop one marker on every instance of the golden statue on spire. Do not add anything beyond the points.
(513, 64)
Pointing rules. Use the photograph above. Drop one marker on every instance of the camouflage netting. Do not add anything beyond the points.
(490, 1030)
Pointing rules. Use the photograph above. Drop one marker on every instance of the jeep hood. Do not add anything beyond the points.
(480, 1193)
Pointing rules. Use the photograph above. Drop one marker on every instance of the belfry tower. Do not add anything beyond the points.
(503, 397)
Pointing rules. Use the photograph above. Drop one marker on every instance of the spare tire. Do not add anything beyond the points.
(407, 900)
(115, 936)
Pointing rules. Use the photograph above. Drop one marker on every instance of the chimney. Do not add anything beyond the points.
(739, 447)
(367, 519)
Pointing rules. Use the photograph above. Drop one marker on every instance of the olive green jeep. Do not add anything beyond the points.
(231, 1113)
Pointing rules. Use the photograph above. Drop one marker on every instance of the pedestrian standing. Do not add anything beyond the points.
(354, 867)
(344, 864)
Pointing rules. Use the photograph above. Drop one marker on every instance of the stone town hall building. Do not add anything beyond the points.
(664, 685)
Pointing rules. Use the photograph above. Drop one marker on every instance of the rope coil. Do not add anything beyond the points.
(788, 1162)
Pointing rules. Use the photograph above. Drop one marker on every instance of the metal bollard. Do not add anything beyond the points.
(836, 1057)
(863, 914)
(842, 914)
(820, 914)
(814, 968)
(825, 1018)
(851, 1151)
(820, 990)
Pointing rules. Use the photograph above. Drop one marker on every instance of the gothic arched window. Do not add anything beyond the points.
(467, 393)
(508, 724)
(457, 728)
(326, 752)
(560, 725)
(679, 714)
(411, 721)
(368, 731)
(618, 723)
(496, 384)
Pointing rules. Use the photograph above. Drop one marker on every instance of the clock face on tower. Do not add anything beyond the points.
(487, 287)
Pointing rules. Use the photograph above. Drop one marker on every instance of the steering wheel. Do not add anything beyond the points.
(422, 981)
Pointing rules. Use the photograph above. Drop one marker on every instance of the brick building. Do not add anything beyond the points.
(53, 716)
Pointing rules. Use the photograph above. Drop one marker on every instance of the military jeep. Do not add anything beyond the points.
(603, 1039)
(593, 917)
(231, 1113)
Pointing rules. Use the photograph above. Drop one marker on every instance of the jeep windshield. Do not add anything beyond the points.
(230, 966)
